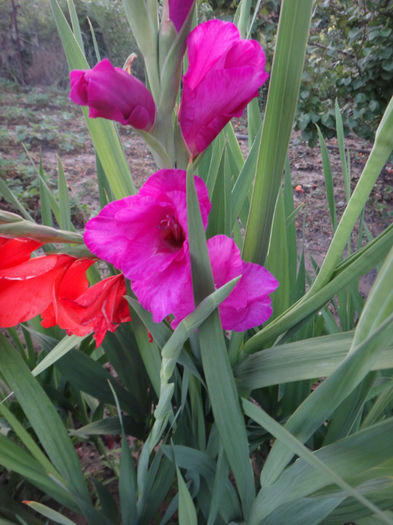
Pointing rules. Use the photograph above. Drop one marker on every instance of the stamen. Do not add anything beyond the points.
(172, 232)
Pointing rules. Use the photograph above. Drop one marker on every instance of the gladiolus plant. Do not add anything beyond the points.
(182, 323)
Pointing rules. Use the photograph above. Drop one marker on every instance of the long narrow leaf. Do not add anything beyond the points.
(325, 474)
(29, 442)
(49, 513)
(305, 359)
(171, 352)
(215, 360)
(365, 348)
(350, 270)
(16, 459)
(75, 24)
(187, 511)
(327, 172)
(43, 417)
(12, 199)
(64, 200)
(103, 132)
(61, 349)
(280, 111)
(382, 148)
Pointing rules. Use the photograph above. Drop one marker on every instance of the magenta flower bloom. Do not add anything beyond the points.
(146, 237)
(248, 304)
(112, 93)
(178, 12)
(223, 76)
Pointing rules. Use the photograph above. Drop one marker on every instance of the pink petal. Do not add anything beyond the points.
(164, 183)
(78, 93)
(163, 293)
(249, 303)
(226, 264)
(185, 305)
(240, 320)
(225, 259)
(102, 236)
(207, 45)
(220, 96)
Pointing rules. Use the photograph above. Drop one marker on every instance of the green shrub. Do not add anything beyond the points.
(36, 57)
(350, 48)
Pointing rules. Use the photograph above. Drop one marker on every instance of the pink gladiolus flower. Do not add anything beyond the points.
(112, 93)
(248, 304)
(178, 12)
(146, 237)
(223, 76)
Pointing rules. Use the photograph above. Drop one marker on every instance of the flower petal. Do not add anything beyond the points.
(114, 94)
(224, 75)
(225, 259)
(26, 289)
(16, 251)
(207, 47)
(166, 292)
(249, 303)
(135, 233)
(100, 308)
(71, 285)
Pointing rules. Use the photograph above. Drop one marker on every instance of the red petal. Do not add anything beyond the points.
(16, 251)
(99, 308)
(72, 284)
(26, 295)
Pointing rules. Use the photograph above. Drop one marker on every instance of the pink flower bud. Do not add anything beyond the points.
(178, 12)
(112, 93)
(223, 76)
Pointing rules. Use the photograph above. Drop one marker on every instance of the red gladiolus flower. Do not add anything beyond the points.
(223, 76)
(72, 284)
(178, 12)
(56, 287)
(26, 287)
(98, 309)
(112, 93)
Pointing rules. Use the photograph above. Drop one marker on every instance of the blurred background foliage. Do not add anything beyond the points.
(350, 47)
